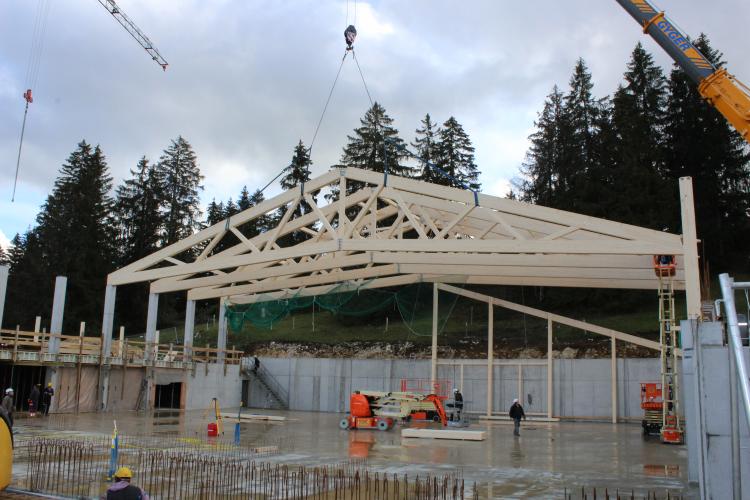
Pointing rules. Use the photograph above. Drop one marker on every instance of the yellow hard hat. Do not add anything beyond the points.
(49, 384)
(124, 473)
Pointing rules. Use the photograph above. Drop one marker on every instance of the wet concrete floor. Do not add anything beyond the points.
(547, 460)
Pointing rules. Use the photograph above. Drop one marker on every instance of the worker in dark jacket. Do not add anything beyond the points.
(516, 413)
(122, 489)
(458, 404)
(47, 395)
(8, 404)
(34, 400)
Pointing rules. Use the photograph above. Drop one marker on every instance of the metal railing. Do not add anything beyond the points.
(728, 287)
(267, 379)
(18, 345)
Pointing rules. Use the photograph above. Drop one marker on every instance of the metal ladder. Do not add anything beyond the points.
(671, 428)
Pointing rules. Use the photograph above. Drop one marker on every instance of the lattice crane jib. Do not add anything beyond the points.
(134, 31)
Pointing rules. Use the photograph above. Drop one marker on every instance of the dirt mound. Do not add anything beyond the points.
(401, 350)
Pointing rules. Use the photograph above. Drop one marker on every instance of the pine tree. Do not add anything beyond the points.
(230, 209)
(541, 169)
(214, 212)
(178, 168)
(701, 144)
(30, 286)
(579, 133)
(295, 174)
(4, 258)
(75, 232)
(426, 147)
(243, 202)
(138, 214)
(260, 224)
(375, 144)
(640, 192)
(298, 170)
(456, 157)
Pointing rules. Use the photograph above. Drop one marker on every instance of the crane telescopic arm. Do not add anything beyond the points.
(134, 31)
(722, 90)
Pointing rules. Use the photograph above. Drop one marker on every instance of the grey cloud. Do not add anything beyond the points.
(249, 79)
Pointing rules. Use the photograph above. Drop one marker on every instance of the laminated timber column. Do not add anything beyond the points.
(490, 354)
(549, 367)
(3, 289)
(690, 249)
(153, 311)
(433, 363)
(189, 329)
(221, 338)
(613, 379)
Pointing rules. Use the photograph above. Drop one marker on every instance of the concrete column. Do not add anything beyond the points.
(221, 339)
(37, 327)
(108, 320)
(520, 383)
(189, 329)
(122, 342)
(153, 311)
(690, 249)
(433, 362)
(490, 355)
(4, 270)
(58, 307)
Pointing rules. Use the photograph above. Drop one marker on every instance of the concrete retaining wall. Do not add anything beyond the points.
(581, 387)
(210, 381)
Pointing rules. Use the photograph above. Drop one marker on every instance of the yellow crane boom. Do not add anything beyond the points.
(722, 90)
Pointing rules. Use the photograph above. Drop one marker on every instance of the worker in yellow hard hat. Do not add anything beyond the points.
(122, 489)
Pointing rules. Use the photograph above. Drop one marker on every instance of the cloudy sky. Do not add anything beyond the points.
(247, 79)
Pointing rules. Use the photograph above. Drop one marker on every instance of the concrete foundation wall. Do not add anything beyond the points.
(124, 387)
(710, 445)
(581, 387)
(210, 381)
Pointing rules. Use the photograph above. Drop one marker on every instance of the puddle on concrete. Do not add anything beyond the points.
(543, 462)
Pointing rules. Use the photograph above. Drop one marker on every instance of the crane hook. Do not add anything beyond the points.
(350, 34)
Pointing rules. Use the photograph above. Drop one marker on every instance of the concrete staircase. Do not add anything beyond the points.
(279, 396)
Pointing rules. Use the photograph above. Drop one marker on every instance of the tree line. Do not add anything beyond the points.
(85, 229)
(620, 157)
(617, 157)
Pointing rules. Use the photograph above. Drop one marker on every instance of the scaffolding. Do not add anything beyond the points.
(671, 427)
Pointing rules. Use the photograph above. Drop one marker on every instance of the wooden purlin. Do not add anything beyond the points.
(498, 241)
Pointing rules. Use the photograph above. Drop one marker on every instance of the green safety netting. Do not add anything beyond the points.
(413, 302)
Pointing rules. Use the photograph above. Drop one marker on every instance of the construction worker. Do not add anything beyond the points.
(8, 404)
(122, 489)
(457, 405)
(516, 413)
(34, 399)
(49, 392)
